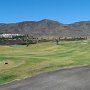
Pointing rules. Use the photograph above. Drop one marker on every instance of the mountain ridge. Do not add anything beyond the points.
(47, 27)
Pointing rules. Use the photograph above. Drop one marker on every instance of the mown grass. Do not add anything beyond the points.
(37, 58)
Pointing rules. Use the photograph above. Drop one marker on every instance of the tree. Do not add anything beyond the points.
(36, 40)
(57, 41)
(27, 40)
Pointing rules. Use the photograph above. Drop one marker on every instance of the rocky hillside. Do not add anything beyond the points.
(47, 28)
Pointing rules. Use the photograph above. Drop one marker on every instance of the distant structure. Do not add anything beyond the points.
(19, 39)
(9, 35)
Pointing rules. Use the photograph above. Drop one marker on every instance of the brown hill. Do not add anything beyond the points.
(47, 28)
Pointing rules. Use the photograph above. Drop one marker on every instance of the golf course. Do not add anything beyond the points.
(18, 61)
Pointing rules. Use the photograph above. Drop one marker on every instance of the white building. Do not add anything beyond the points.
(9, 35)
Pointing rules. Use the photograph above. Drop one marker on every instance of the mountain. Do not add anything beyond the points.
(47, 28)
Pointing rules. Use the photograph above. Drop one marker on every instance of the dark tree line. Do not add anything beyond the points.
(27, 39)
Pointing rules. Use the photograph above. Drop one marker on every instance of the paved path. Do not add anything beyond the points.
(65, 79)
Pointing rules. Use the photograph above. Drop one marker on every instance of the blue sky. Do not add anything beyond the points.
(65, 11)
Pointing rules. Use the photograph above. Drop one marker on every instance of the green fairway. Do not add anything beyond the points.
(28, 61)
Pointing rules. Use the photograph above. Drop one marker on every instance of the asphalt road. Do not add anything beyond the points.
(64, 79)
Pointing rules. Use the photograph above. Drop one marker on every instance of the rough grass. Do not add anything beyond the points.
(28, 61)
